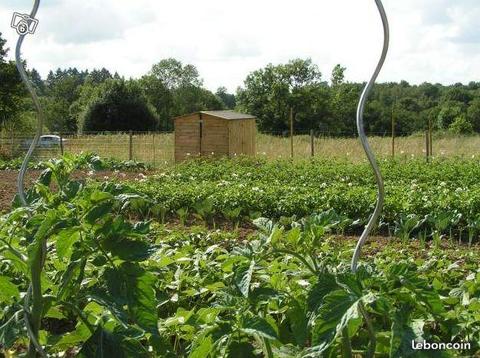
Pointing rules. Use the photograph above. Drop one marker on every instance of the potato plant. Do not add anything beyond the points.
(440, 199)
(83, 274)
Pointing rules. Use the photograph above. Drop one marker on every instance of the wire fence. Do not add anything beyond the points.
(158, 148)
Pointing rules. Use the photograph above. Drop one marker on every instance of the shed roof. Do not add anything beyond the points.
(229, 115)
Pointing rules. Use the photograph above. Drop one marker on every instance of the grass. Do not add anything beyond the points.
(158, 149)
(350, 148)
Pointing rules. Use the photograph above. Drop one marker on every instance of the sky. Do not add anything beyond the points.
(431, 40)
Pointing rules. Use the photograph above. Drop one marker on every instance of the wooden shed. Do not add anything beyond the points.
(214, 133)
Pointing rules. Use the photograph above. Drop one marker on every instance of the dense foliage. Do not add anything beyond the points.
(443, 196)
(93, 282)
(172, 89)
(270, 92)
(100, 164)
(121, 105)
(12, 91)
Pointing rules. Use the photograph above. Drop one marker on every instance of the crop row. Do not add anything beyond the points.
(100, 163)
(441, 197)
(77, 276)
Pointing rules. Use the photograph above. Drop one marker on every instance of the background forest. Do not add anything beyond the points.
(97, 100)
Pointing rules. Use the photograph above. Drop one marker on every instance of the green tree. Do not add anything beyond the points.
(473, 114)
(160, 97)
(189, 99)
(173, 74)
(119, 106)
(175, 89)
(3, 49)
(449, 111)
(62, 90)
(12, 91)
(37, 81)
(228, 99)
(88, 91)
(461, 125)
(97, 77)
(458, 93)
(269, 93)
(338, 75)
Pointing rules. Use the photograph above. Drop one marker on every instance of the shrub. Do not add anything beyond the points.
(119, 106)
(461, 126)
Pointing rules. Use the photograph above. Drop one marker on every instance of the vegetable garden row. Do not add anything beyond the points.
(117, 282)
(441, 198)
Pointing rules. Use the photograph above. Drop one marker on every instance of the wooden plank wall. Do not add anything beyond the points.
(242, 136)
(215, 136)
(187, 137)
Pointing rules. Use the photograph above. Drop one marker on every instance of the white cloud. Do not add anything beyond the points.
(432, 40)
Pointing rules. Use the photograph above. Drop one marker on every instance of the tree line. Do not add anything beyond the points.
(97, 100)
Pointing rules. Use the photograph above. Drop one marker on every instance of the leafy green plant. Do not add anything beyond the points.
(406, 224)
(182, 215)
(83, 161)
(204, 210)
(107, 282)
(473, 227)
(65, 236)
(282, 189)
(233, 215)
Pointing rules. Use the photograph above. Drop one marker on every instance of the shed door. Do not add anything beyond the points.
(242, 137)
(214, 136)
(187, 137)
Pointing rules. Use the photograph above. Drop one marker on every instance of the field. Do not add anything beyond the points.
(158, 149)
(242, 258)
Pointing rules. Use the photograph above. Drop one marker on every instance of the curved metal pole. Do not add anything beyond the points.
(36, 102)
(21, 179)
(364, 140)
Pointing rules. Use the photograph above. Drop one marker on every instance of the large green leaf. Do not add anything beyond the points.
(111, 303)
(65, 240)
(240, 350)
(102, 344)
(10, 331)
(98, 211)
(431, 298)
(339, 308)
(141, 296)
(8, 291)
(260, 327)
(298, 322)
(80, 335)
(349, 282)
(127, 249)
(68, 280)
(47, 225)
(203, 348)
(99, 196)
(243, 278)
(404, 332)
(326, 283)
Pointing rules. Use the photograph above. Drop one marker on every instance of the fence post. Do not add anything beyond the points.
(130, 146)
(430, 137)
(154, 154)
(427, 142)
(312, 142)
(393, 136)
(12, 149)
(291, 132)
(61, 145)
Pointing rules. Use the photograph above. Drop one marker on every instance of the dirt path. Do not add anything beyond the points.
(8, 187)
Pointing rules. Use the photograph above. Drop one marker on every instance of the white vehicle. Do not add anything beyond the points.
(47, 141)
